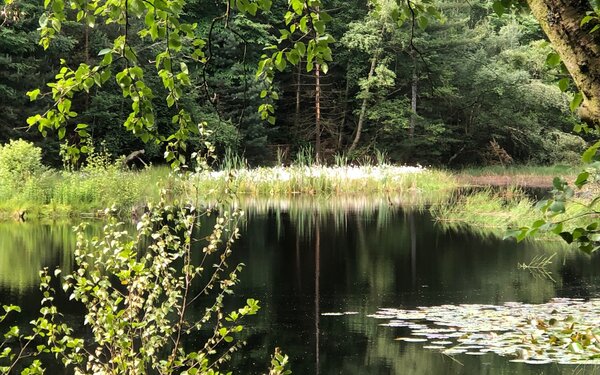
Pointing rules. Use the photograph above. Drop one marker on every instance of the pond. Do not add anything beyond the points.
(321, 269)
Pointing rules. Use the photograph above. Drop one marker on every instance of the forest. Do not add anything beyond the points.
(458, 87)
(407, 185)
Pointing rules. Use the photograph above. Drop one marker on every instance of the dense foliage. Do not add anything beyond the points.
(474, 85)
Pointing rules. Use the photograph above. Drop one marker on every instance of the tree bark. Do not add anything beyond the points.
(298, 82)
(413, 101)
(363, 107)
(317, 103)
(578, 49)
(317, 111)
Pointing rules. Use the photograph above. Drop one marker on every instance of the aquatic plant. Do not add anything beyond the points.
(565, 331)
(493, 209)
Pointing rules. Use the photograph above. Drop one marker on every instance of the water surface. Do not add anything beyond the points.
(307, 258)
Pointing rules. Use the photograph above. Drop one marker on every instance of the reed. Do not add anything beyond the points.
(320, 180)
(497, 210)
(488, 208)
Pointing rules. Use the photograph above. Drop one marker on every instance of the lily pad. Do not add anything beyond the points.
(560, 331)
(411, 339)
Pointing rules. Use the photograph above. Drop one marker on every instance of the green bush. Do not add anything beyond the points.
(20, 166)
(564, 148)
(20, 160)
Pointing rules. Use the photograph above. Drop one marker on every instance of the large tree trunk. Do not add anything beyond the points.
(578, 49)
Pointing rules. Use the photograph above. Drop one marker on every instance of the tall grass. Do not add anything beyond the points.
(488, 208)
(322, 180)
(534, 170)
(66, 193)
(496, 210)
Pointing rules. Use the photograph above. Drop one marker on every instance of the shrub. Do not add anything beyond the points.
(139, 292)
(20, 160)
(20, 168)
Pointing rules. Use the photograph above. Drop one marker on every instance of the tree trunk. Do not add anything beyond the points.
(363, 107)
(298, 80)
(413, 101)
(317, 102)
(317, 112)
(578, 49)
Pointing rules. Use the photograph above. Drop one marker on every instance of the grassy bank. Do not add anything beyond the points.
(323, 180)
(523, 176)
(496, 210)
(53, 193)
(61, 193)
(28, 189)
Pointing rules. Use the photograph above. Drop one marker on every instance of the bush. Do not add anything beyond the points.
(564, 148)
(20, 165)
(20, 160)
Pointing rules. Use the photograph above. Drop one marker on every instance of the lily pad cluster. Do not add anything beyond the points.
(565, 331)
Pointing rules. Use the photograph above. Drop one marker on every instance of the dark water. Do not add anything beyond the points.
(306, 260)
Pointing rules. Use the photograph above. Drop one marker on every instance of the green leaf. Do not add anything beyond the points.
(301, 48)
(553, 59)
(576, 102)
(280, 62)
(589, 154)
(538, 223)
(563, 84)
(33, 94)
(586, 19)
(558, 228)
(309, 66)
(174, 41)
(558, 207)
(558, 183)
(498, 8)
(297, 6)
(512, 233)
(104, 51)
(578, 233)
(582, 179)
(319, 26)
(567, 236)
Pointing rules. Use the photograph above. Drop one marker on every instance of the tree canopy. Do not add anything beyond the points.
(341, 77)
